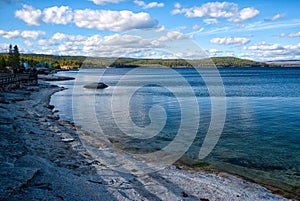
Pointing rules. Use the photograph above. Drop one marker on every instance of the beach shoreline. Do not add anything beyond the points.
(42, 157)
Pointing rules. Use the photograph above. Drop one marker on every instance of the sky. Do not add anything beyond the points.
(260, 30)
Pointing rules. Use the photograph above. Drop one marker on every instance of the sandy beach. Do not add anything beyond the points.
(42, 158)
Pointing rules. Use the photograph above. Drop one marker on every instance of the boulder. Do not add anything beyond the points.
(99, 85)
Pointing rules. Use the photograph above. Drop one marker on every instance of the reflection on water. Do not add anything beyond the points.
(261, 135)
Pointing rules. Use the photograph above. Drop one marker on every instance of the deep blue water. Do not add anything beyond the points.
(262, 125)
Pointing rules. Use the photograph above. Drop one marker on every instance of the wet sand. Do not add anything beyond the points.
(43, 158)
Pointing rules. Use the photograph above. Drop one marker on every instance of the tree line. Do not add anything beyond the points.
(16, 62)
(55, 60)
(12, 60)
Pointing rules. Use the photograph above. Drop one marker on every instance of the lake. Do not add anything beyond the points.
(142, 112)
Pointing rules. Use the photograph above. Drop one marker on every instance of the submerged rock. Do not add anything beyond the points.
(99, 85)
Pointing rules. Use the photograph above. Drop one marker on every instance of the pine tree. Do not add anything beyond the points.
(10, 56)
(16, 59)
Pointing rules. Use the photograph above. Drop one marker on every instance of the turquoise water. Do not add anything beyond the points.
(261, 135)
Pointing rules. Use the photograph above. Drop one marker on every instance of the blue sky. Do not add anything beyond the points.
(259, 30)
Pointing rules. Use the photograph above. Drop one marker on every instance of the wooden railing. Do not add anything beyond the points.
(7, 79)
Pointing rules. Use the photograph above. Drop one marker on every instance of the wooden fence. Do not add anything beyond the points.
(7, 79)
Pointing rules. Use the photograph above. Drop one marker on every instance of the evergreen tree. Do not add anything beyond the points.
(10, 56)
(16, 60)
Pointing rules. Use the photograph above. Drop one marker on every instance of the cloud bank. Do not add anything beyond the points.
(230, 41)
(218, 10)
(123, 20)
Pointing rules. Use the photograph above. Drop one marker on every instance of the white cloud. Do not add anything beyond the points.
(245, 14)
(65, 47)
(31, 34)
(214, 52)
(116, 45)
(290, 35)
(113, 20)
(275, 17)
(101, 2)
(173, 35)
(61, 36)
(260, 25)
(266, 51)
(196, 27)
(177, 5)
(136, 44)
(149, 5)
(4, 47)
(153, 5)
(177, 11)
(55, 15)
(229, 53)
(94, 40)
(75, 40)
(262, 46)
(29, 15)
(211, 9)
(123, 20)
(23, 34)
(160, 29)
(139, 3)
(218, 10)
(47, 43)
(182, 28)
(125, 41)
(28, 43)
(58, 15)
(64, 44)
(10, 34)
(211, 21)
(230, 41)
(192, 54)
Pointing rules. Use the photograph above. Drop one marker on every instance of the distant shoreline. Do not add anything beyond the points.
(74, 62)
(69, 62)
(176, 67)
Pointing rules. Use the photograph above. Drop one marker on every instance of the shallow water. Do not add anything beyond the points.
(261, 134)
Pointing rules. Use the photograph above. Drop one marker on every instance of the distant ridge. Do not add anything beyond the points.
(291, 60)
(285, 63)
(181, 63)
(237, 62)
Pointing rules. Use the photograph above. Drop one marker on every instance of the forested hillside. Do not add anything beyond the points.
(91, 62)
(175, 63)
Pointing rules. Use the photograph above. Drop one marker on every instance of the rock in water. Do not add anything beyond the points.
(68, 140)
(99, 85)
